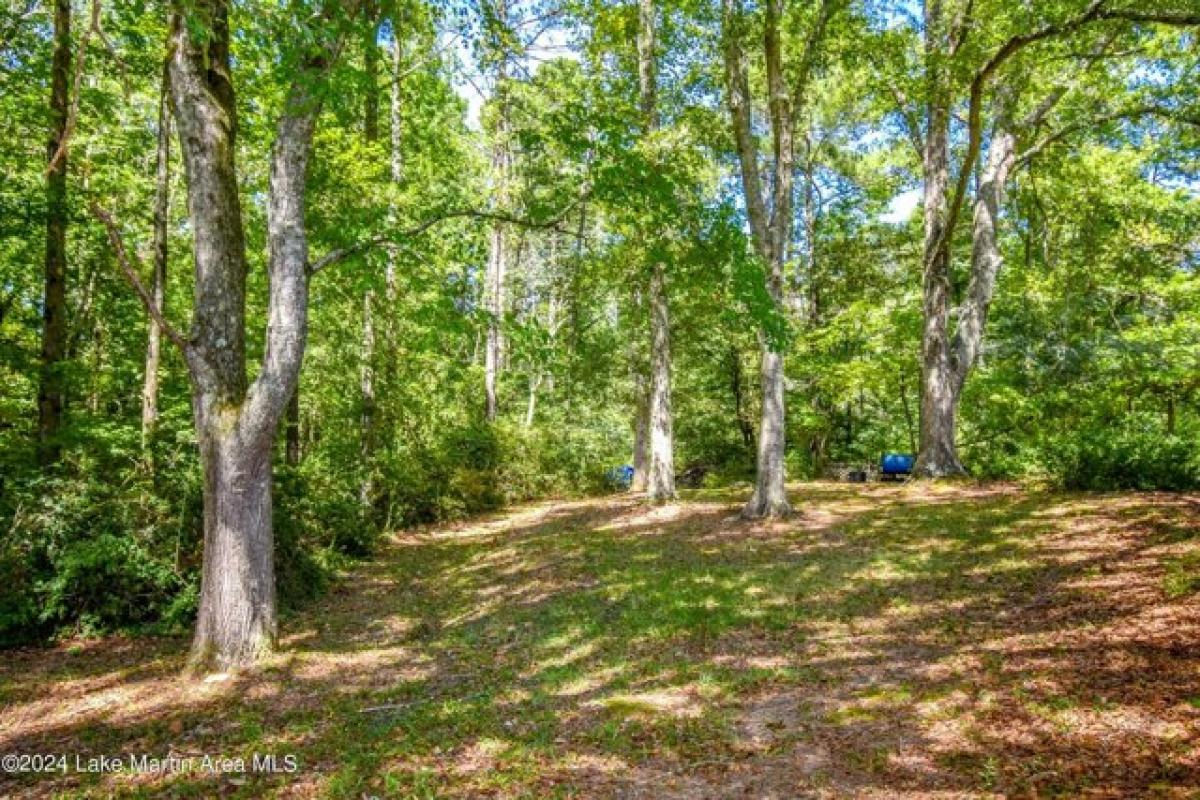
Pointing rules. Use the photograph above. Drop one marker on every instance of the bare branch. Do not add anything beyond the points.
(127, 264)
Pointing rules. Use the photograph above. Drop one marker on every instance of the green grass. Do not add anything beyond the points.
(601, 645)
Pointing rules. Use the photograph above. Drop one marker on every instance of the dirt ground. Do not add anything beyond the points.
(890, 641)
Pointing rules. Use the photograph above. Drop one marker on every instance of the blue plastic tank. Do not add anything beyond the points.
(896, 463)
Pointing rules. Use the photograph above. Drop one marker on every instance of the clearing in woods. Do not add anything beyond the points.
(891, 641)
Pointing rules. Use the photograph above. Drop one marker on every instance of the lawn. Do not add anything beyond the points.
(890, 641)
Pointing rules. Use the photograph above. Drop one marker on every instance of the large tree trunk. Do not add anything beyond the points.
(52, 380)
(236, 423)
(660, 485)
(770, 495)
(937, 456)
(162, 207)
(236, 624)
(770, 231)
(985, 256)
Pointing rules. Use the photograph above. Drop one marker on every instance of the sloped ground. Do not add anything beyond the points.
(892, 641)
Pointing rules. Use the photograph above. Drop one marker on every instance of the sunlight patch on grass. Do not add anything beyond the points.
(678, 702)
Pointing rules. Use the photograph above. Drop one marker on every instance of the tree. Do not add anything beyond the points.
(501, 166)
(158, 290)
(770, 222)
(52, 385)
(235, 418)
(661, 473)
(947, 358)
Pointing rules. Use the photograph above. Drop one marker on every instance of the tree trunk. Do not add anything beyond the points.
(371, 68)
(497, 266)
(661, 478)
(162, 208)
(396, 156)
(367, 390)
(641, 438)
(770, 495)
(661, 484)
(937, 456)
(770, 231)
(985, 256)
(52, 380)
(535, 383)
(366, 489)
(235, 422)
(236, 624)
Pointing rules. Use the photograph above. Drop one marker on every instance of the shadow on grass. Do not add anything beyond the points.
(889, 640)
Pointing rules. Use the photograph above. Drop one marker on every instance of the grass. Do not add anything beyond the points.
(890, 641)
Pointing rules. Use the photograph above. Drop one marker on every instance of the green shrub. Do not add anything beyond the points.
(1137, 455)
(107, 582)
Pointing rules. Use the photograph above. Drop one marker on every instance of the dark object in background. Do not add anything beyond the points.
(693, 476)
(857, 476)
(894, 466)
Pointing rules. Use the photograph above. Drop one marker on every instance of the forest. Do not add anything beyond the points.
(600, 398)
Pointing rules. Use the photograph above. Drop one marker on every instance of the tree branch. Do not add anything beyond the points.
(1096, 11)
(1141, 111)
(342, 253)
(73, 112)
(127, 265)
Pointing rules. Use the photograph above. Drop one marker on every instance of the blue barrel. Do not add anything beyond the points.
(896, 464)
(621, 477)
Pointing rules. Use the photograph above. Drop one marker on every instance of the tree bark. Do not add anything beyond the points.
(52, 380)
(661, 483)
(236, 422)
(366, 489)
(396, 156)
(985, 255)
(641, 436)
(371, 68)
(162, 208)
(535, 382)
(937, 456)
(660, 486)
(770, 231)
(497, 266)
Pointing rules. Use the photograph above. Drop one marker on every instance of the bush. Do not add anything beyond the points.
(1138, 455)
(108, 582)
(89, 555)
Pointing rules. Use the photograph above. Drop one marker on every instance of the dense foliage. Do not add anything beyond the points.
(1089, 378)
